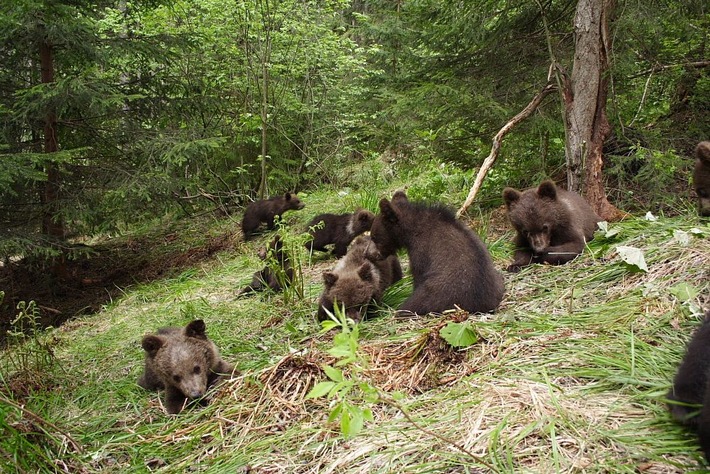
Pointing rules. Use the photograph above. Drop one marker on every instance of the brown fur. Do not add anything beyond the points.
(701, 177)
(449, 263)
(184, 362)
(356, 281)
(552, 225)
(338, 229)
(277, 271)
(690, 395)
(266, 211)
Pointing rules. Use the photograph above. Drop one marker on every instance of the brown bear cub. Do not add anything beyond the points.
(266, 210)
(338, 229)
(183, 362)
(689, 398)
(552, 225)
(449, 263)
(277, 273)
(355, 281)
(701, 177)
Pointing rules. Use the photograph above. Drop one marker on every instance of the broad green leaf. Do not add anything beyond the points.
(684, 291)
(633, 257)
(333, 374)
(459, 334)
(320, 389)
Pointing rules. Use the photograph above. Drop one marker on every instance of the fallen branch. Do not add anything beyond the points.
(497, 141)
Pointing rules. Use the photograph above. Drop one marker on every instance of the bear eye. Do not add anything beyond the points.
(196, 370)
(177, 378)
(545, 228)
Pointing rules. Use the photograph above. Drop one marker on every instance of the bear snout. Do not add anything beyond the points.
(193, 389)
(539, 242)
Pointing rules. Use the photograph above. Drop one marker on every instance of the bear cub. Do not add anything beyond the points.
(552, 224)
(701, 177)
(690, 388)
(338, 229)
(277, 273)
(266, 210)
(184, 362)
(450, 264)
(355, 281)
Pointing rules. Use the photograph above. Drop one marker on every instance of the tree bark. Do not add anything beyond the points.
(52, 224)
(584, 95)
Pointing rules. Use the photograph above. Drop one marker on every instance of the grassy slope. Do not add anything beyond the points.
(569, 376)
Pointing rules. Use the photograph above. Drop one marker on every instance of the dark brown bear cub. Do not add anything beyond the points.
(701, 177)
(552, 225)
(356, 281)
(266, 210)
(690, 388)
(338, 229)
(183, 362)
(276, 274)
(449, 264)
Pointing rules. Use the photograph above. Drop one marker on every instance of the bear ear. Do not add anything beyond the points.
(365, 216)
(365, 272)
(510, 196)
(152, 343)
(547, 189)
(329, 278)
(287, 196)
(400, 196)
(388, 211)
(196, 329)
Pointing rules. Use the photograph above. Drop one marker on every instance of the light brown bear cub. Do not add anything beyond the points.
(184, 362)
(356, 281)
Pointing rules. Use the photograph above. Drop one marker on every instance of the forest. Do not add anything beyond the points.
(135, 134)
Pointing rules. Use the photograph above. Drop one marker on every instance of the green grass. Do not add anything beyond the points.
(568, 376)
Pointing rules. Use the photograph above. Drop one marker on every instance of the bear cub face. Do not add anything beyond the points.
(356, 281)
(184, 362)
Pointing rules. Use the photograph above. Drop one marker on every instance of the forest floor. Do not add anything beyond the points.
(569, 375)
(106, 269)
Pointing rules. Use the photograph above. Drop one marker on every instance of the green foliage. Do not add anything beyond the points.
(459, 334)
(348, 392)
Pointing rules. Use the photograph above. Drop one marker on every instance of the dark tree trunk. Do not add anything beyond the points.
(584, 95)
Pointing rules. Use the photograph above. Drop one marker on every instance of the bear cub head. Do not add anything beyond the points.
(535, 213)
(183, 361)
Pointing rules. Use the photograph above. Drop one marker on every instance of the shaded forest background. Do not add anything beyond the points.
(115, 113)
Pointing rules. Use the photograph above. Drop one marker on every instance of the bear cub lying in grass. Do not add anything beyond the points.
(338, 229)
(184, 362)
(552, 225)
(276, 274)
(690, 395)
(356, 281)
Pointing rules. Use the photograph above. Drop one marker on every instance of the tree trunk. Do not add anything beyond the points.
(52, 224)
(584, 96)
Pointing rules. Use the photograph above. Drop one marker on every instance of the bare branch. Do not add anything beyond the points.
(497, 141)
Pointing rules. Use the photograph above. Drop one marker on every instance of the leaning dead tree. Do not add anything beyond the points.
(497, 142)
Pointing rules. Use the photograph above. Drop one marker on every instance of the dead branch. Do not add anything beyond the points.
(497, 142)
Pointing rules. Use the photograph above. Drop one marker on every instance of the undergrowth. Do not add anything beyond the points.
(569, 375)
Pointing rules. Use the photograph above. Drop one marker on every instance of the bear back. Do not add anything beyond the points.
(266, 210)
(450, 265)
(338, 230)
(701, 177)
